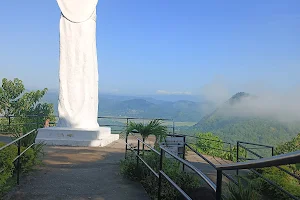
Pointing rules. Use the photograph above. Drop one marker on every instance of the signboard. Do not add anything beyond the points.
(174, 144)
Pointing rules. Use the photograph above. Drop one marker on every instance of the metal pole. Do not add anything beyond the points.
(183, 156)
(160, 176)
(138, 153)
(272, 151)
(18, 162)
(219, 185)
(231, 156)
(173, 127)
(9, 120)
(143, 145)
(126, 137)
(237, 155)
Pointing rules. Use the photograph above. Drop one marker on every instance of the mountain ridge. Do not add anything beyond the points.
(230, 123)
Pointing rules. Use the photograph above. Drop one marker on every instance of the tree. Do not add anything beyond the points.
(154, 127)
(14, 101)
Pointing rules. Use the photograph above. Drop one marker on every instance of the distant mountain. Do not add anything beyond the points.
(233, 122)
(145, 107)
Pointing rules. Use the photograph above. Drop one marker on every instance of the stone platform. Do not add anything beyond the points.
(59, 136)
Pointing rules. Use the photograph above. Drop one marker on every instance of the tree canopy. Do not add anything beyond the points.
(15, 101)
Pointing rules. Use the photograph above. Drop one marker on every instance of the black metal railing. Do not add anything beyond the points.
(274, 161)
(227, 146)
(10, 124)
(161, 174)
(284, 159)
(119, 124)
(250, 150)
(18, 157)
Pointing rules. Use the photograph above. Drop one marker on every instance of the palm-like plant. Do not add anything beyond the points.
(154, 127)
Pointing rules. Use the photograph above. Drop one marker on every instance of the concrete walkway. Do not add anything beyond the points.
(79, 173)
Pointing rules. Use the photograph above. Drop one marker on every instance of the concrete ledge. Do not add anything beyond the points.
(76, 137)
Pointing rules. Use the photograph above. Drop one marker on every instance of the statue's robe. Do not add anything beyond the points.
(78, 71)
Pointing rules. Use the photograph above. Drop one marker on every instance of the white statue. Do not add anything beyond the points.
(78, 78)
(78, 72)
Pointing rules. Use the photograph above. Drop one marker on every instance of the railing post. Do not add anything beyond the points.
(159, 174)
(237, 155)
(183, 156)
(272, 151)
(173, 127)
(126, 138)
(138, 153)
(9, 120)
(18, 162)
(219, 185)
(143, 145)
(231, 156)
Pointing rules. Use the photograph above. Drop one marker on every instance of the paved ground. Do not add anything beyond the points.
(78, 174)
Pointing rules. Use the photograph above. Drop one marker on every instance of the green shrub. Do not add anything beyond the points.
(246, 190)
(282, 179)
(128, 167)
(7, 156)
(185, 180)
(27, 160)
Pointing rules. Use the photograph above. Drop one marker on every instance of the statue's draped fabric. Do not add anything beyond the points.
(78, 72)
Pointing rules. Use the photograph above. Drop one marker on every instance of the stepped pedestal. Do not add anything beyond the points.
(61, 136)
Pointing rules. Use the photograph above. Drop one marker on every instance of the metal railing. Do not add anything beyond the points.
(8, 124)
(274, 161)
(255, 146)
(18, 157)
(118, 124)
(284, 159)
(161, 174)
(228, 149)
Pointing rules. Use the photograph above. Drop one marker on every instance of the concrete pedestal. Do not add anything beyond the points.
(76, 137)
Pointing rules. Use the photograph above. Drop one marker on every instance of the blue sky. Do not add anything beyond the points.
(164, 46)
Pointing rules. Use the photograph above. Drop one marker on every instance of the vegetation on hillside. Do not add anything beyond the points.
(230, 126)
(211, 144)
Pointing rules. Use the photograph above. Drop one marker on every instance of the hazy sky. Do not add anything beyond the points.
(162, 46)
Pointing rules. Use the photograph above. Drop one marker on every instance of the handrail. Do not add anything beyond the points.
(259, 156)
(283, 159)
(161, 173)
(16, 140)
(111, 117)
(210, 163)
(192, 136)
(201, 174)
(148, 146)
(17, 158)
(261, 145)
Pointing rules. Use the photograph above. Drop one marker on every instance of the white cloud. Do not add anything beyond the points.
(172, 93)
(283, 105)
(217, 91)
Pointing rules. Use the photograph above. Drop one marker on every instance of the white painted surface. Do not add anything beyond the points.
(59, 136)
(77, 10)
(78, 70)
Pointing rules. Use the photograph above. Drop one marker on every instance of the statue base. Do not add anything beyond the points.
(62, 136)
